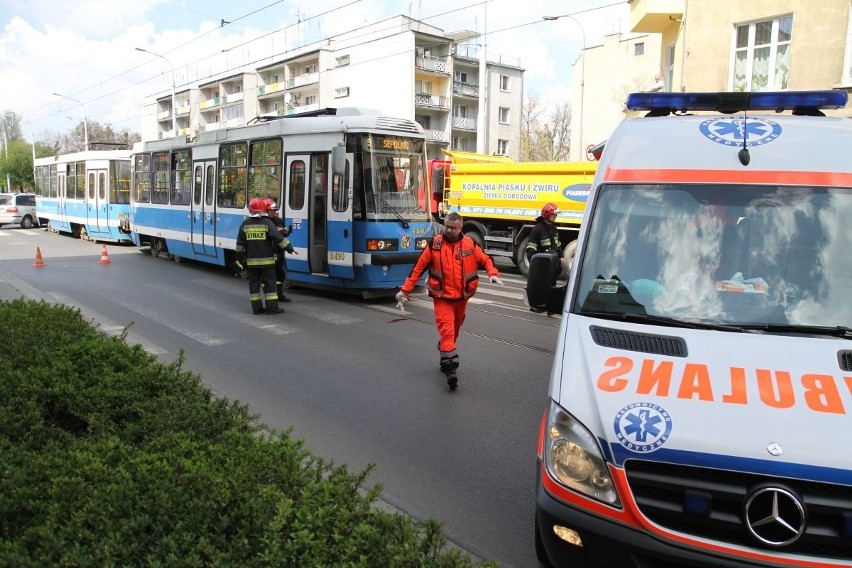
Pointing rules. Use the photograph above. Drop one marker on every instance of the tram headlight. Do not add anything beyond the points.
(573, 458)
(382, 245)
(421, 243)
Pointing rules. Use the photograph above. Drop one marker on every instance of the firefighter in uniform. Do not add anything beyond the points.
(280, 273)
(453, 261)
(545, 238)
(257, 241)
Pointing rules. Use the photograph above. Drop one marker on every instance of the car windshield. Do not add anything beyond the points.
(733, 255)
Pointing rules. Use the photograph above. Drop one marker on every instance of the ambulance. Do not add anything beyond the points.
(700, 400)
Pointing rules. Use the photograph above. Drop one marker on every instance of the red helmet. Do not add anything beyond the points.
(257, 205)
(270, 204)
(548, 210)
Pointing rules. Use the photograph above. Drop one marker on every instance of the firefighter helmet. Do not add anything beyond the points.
(270, 204)
(548, 210)
(257, 205)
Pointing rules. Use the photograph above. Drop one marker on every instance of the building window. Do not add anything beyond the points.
(461, 77)
(504, 83)
(761, 55)
(342, 61)
(502, 147)
(847, 59)
(341, 92)
(639, 48)
(423, 87)
(424, 121)
(238, 88)
(460, 111)
(310, 99)
(504, 115)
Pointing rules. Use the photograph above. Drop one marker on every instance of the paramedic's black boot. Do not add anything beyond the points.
(448, 367)
(281, 296)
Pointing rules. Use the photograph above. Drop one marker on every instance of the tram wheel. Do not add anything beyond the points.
(83, 234)
(157, 247)
(177, 259)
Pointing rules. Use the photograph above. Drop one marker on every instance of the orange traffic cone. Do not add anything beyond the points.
(38, 260)
(104, 256)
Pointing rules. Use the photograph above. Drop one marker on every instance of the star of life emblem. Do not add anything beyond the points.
(733, 131)
(642, 427)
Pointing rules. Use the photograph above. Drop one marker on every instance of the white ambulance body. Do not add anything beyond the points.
(701, 392)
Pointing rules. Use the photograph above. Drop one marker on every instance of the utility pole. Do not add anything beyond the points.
(85, 118)
(6, 147)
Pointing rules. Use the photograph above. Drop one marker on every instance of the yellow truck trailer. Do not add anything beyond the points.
(500, 199)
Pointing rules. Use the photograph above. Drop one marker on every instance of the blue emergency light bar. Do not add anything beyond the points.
(806, 102)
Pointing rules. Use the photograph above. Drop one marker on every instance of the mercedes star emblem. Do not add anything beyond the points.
(775, 516)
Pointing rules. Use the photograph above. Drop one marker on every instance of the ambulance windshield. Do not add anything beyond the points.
(733, 255)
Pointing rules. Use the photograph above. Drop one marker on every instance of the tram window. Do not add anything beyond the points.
(79, 173)
(182, 177)
(340, 190)
(211, 181)
(199, 179)
(52, 180)
(296, 191)
(119, 182)
(232, 175)
(101, 186)
(142, 178)
(71, 182)
(265, 172)
(92, 186)
(160, 163)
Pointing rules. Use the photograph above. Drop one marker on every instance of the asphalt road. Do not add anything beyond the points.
(357, 380)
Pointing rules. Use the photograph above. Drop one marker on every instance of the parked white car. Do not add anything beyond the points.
(19, 209)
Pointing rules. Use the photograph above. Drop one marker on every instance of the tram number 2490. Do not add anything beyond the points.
(336, 255)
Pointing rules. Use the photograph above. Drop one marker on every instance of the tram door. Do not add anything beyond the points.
(96, 202)
(341, 261)
(61, 181)
(203, 212)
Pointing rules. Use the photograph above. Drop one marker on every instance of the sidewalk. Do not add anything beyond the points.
(14, 288)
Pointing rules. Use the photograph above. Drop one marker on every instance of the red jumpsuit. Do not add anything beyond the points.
(453, 279)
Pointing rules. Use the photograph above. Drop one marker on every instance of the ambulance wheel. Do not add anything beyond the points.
(521, 257)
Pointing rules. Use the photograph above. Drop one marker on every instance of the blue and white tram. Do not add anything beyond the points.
(86, 194)
(350, 183)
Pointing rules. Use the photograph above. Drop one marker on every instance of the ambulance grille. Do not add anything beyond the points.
(643, 342)
(709, 503)
(845, 360)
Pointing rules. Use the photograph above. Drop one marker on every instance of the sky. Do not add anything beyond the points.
(85, 50)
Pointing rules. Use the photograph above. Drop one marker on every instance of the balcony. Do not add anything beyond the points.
(431, 101)
(303, 108)
(465, 89)
(302, 80)
(464, 123)
(212, 126)
(183, 109)
(234, 97)
(270, 88)
(433, 64)
(655, 16)
(210, 103)
(164, 114)
(435, 135)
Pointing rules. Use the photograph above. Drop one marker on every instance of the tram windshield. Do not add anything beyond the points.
(389, 179)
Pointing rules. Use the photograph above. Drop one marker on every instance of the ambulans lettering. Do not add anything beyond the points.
(773, 388)
(735, 131)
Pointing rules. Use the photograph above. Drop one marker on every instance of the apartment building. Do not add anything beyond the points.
(400, 66)
(713, 45)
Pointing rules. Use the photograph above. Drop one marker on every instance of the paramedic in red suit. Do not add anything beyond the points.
(453, 261)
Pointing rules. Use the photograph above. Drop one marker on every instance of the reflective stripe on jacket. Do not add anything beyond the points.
(258, 239)
(453, 268)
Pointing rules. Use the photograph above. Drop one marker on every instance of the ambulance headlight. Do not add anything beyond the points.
(573, 458)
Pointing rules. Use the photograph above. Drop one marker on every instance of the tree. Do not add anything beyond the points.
(75, 140)
(545, 136)
(19, 166)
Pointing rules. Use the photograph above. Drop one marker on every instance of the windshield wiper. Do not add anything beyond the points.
(831, 331)
(382, 200)
(664, 321)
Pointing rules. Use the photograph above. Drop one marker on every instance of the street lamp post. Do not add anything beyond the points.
(174, 107)
(6, 148)
(582, 75)
(85, 118)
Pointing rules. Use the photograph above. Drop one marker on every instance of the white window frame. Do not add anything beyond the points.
(503, 115)
(749, 49)
(342, 61)
(505, 83)
(341, 92)
(846, 74)
(502, 147)
(639, 48)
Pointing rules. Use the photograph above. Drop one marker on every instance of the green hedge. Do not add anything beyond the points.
(110, 458)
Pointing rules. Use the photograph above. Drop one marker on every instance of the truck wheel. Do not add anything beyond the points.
(568, 254)
(477, 238)
(521, 257)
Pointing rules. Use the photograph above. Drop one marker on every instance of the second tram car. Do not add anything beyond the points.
(86, 194)
(349, 182)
